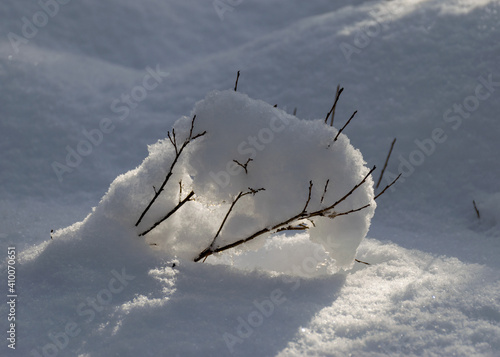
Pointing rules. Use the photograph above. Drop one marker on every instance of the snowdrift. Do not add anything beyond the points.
(289, 165)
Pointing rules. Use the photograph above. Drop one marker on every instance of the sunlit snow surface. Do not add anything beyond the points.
(411, 69)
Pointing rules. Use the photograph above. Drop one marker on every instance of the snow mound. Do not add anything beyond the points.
(247, 146)
(284, 166)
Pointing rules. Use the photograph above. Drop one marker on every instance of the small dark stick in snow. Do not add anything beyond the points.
(236, 84)
(362, 262)
(477, 211)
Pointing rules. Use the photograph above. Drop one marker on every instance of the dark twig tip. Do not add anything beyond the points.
(362, 262)
(475, 208)
(345, 125)
(385, 164)
(386, 187)
(236, 83)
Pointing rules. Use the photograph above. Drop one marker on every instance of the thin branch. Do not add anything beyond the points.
(386, 187)
(210, 249)
(308, 197)
(172, 140)
(362, 262)
(353, 189)
(324, 191)
(287, 223)
(179, 205)
(477, 211)
(332, 111)
(385, 164)
(299, 227)
(334, 214)
(192, 126)
(236, 84)
(178, 153)
(180, 190)
(241, 194)
(346, 124)
(243, 165)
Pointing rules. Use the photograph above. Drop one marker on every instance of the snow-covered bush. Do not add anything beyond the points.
(239, 170)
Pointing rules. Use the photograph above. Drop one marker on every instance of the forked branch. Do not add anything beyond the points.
(209, 250)
(291, 223)
(386, 187)
(179, 205)
(245, 165)
(178, 152)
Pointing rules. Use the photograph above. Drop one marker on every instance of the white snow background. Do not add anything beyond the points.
(424, 72)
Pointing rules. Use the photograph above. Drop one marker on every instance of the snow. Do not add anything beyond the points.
(422, 71)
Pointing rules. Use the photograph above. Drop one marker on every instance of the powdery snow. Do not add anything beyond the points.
(425, 72)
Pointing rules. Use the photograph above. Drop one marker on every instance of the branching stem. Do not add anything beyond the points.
(179, 205)
(287, 224)
(178, 152)
(386, 187)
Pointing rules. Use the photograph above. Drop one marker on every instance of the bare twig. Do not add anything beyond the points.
(324, 191)
(178, 152)
(180, 191)
(328, 211)
(335, 214)
(345, 125)
(353, 189)
(332, 111)
(477, 211)
(362, 262)
(308, 197)
(179, 205)
(236, 83)
(210, 249)
(299, 227)
(386, 187)
(243, 165)
(173, 140)
(385, 164)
